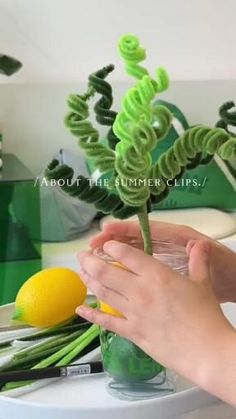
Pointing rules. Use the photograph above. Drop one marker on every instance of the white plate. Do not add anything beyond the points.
(86, 397)
(209, 221)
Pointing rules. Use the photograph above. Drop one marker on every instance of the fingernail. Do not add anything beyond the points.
(110, 244)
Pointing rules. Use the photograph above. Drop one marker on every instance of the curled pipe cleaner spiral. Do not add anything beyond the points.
(83, 189)
(134, 164)
(186, 150)
(227, 117)
(139, 127)
(102, 108)
(132, 53)
(135, 105)
(76, 120)
(162, 119)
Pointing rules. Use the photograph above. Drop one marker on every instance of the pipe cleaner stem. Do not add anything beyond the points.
(102, 108)
(145, 229)
(227, 117)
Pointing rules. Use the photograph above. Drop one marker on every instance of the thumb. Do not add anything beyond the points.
(199, 260)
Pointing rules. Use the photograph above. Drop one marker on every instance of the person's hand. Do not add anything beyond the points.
(174, 319)
(222, 259)
(169, 232)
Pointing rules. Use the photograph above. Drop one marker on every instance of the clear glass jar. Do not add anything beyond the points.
(132, 373)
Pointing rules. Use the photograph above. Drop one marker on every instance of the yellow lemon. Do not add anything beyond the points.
(106, 308)
(49, 297)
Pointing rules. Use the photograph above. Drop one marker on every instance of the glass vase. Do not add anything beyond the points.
(132, 374)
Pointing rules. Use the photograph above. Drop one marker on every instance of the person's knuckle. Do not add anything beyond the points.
(93, 316)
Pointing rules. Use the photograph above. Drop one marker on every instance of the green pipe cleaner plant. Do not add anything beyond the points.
(9, 65)
(227, 117)
(136, 130)
(102, 108)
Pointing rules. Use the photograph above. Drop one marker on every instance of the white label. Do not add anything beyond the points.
(74, 370)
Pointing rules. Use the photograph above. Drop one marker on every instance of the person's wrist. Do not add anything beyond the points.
(224, 268)
(217, 363)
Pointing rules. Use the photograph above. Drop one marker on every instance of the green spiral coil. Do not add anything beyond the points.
(139, 126)
(132, 53)
(133, 162)
(136, 105)
(79, 125)
(83, 189)
(227, 117)
(185, 153)
(132, 166)
(102, 108)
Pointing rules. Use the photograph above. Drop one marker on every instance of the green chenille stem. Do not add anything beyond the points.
(145, 229)
(9, 65)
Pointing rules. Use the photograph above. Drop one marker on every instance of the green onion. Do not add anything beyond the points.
(61, 357)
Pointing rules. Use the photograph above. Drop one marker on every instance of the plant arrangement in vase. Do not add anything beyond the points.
(135, 131)
(137, 182)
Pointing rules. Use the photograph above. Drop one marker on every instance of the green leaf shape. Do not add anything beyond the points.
(140, 126)
(83, 189)
(196, 146)
(102, 108)
(9, 65)
(227, 117)
(79, 125)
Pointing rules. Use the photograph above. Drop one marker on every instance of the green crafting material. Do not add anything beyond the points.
(133, 163)
(77, 121)
(102, 108)
(198, 186)
(227, 117)
(9, 65)
(105, 201)
(139, 126)
(136, 107)
(132, 53)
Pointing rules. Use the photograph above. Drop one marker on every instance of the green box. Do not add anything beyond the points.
(20, 247)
